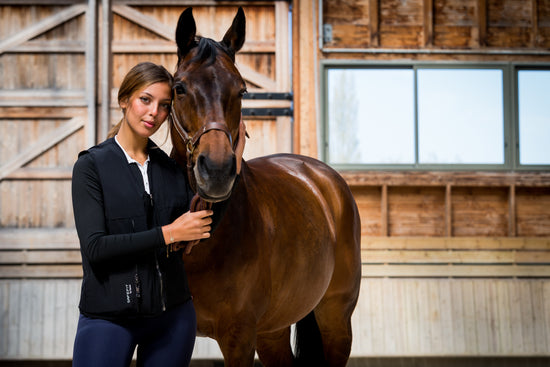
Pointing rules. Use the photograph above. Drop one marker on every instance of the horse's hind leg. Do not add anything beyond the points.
(335, 326)
(333, 313)
(274, 348)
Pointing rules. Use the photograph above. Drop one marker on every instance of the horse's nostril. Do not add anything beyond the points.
(210, 169)
(202, 163)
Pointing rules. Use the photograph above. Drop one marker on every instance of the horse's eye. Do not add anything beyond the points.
(179, 89)
(243, 91)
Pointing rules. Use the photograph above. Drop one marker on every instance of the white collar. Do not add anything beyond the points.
(128, 158)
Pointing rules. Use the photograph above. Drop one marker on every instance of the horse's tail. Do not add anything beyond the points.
(308, 344)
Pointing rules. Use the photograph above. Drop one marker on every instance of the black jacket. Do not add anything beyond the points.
(126, 269)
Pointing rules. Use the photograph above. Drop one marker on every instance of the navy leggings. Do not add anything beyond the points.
(167, 340)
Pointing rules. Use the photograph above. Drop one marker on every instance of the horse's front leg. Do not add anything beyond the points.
(237, 342)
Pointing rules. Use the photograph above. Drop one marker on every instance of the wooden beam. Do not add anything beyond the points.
(448, 211)
(534, 24)
(428, 34)
(468, 271)
(40, 27)
(40, 271)
(304, 58)
(106, 77)
(42, 97)
(40, 146)
(454, 257)
(49, 46)
(282, 39)
(384, 211)
(256, 78)
(455, 243)
(91, 72)
(38, 238)
(53, 257)
(18, 112)
(36, 173)
(481, 10)
(374, 25)
(145, 21)
(443, 178)
(512, 230)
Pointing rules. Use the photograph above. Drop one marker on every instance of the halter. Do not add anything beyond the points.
(192, 141)
(197, 203)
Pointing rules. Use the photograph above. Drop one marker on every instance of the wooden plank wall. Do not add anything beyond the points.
(57, 97)
(454, 263)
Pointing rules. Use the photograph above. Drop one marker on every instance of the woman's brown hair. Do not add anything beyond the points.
(139, 77)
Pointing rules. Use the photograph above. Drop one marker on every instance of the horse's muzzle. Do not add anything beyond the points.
(214, 179)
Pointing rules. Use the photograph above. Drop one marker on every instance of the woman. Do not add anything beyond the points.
(131, 205)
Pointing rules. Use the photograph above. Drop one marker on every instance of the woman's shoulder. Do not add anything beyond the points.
(160, 156)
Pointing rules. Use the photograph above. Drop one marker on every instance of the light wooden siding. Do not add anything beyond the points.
(44, 114)
(452, 317)
(38, 318)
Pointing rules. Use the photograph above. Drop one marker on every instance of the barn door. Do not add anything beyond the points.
(145, 32)
(47, 114)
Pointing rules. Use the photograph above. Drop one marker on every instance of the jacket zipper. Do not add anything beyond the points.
(162, 295)
(157, 266)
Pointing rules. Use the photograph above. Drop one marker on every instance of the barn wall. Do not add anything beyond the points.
(61, 63)
(454, 263)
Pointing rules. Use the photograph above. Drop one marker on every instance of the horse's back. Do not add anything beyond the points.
(315, 184)
(302, 173)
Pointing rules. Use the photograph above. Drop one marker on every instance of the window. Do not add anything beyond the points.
(534, 116)
(436, 116)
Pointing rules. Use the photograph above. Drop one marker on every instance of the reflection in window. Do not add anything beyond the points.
(371, 116)
(534, 116)
(460, 116)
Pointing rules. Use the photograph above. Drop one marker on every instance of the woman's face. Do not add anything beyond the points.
(148, 108)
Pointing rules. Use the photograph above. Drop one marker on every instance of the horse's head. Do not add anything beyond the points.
(208, 90)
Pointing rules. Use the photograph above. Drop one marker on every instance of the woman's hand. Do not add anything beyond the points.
(188, 227)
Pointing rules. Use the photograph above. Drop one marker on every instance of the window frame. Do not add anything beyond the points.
(510, 73)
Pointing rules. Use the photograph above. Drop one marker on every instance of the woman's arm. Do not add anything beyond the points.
(96, 244)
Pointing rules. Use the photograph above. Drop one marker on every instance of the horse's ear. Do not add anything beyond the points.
(185, 32)
(234, 37)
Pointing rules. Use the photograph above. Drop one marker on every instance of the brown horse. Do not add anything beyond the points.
(288, 247)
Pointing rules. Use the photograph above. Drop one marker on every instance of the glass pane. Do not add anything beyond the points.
(460, 116)
(534, 116)
(371, 116)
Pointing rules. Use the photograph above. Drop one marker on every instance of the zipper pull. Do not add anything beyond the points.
(138, 288)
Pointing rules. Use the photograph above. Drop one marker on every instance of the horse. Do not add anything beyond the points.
(287, 250)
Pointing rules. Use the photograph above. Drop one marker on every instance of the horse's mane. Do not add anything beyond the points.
(208, 49)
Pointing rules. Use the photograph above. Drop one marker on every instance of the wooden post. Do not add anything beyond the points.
(534, 24)
(448, 212)
(512, 211)
(106, 69)
(304, 61)
(373, 23)
(384, 211)
(428, 23)
(482, 22)
(91, 72)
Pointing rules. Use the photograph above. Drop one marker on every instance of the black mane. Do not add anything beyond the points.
(208, 49)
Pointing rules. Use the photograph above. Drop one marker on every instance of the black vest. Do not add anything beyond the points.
(145, 283)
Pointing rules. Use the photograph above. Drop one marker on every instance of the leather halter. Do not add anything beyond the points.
(191, 142)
